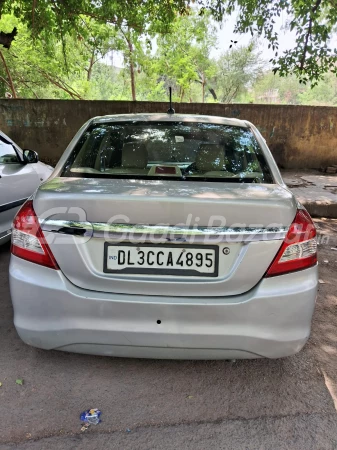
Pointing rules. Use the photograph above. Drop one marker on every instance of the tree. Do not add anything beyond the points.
(312, 20)
(237, 69)
(30, 68)
(95, 42)
(131, 46)
(51, 21)
(183, 55)
(275, 89)
(324, 93)
(52, 46)
(57, 19)
(272, 88)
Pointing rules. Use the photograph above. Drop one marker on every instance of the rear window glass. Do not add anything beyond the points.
(174, 150)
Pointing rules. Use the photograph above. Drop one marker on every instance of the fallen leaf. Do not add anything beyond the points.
(0, 384)
(321, 281)
(20, 382)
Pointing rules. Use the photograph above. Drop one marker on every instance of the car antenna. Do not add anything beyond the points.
(170, 110)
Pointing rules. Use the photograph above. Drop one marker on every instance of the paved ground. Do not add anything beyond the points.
(317, 191)
(261, 404)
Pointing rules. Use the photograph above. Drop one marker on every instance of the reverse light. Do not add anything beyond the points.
(299, 249)
(28, 241)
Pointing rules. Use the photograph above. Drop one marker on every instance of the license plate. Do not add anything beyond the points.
(181, 260)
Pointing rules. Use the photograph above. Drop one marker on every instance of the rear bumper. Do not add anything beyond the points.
(272, 320)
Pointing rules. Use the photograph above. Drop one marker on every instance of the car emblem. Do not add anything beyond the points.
(179, 239)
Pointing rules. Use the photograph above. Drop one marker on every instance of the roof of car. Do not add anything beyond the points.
(160, 117)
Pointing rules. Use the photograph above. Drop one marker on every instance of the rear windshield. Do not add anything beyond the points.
(172, 150)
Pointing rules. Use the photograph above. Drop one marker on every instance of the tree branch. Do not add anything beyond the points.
(10, 81)
(33, 13)
(27, 86)
(212, 91)
(60, 85)
(305, 48)
(5, 81)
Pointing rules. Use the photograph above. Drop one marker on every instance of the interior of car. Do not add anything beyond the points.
(166, 151)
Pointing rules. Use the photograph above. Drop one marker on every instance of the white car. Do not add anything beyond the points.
(20, 175)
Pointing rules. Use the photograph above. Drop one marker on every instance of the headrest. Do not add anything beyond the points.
(134, 156)
(210, 157)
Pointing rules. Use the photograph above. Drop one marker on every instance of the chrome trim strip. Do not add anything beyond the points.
(5, 234)
(12, 205)
(158, 233)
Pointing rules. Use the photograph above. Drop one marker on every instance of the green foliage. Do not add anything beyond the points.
(324, 93)
(311, 57)
(313, 21)
(61, 52)
(58, 19)
(237, 69)
(272, 88)
(275, 89)
(32, 64)
(42, 68)
(183, 56)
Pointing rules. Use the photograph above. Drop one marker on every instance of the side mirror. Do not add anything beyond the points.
(30, 156)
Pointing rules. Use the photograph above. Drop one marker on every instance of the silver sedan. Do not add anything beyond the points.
(20, 174)
(165, 236)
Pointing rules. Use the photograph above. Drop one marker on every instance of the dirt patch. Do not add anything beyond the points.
(323, 341)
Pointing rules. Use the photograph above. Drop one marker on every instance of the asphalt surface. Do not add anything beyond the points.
(146, 404)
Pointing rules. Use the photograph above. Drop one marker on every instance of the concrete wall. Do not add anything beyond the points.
(299, 136)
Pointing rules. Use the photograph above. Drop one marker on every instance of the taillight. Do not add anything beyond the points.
(28, 241)
(299, 249)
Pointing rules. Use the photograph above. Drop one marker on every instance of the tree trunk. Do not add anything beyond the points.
(203, 88)
(132, 69)
(133, 84)
(10, 81)
(212, 91)
(91, 65)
